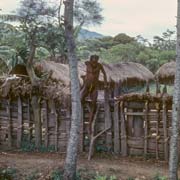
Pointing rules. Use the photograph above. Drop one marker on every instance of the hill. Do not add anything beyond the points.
(85, 34)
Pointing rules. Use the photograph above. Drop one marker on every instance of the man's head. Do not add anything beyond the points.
(94, 59)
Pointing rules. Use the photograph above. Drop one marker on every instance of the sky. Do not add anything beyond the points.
(133, 17)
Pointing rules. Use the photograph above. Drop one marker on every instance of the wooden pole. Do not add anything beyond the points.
(158, 90)
(147, 87)
(35, 104)
(116, 123)
(81, 149)
(53, 111)
(108, 122)
(146, 128)
(123, 131)
(165, 131)
(46, 125)
(91, 147)
(93, 137)
(20, 123)
(8, 110)
(157, 131)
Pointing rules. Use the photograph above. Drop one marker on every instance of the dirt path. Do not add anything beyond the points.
(44, 163)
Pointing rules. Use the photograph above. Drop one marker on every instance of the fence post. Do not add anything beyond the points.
(20, 123)
(146, 128)
(123, 131)
(46, 125)
(165, 130)
(8, 110)
(116, 122)
(108, 122)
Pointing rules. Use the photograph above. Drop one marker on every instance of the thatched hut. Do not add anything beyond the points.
(129, 74)
(166, 73)
(17, 84)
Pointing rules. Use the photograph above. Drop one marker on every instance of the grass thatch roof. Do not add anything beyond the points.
(130, 73)
(127, 73)
(17, 83)
(55, 81)
(166, 73)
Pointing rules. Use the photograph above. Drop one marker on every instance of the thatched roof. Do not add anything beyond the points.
(17, 83)
(166, 73)
(56, 86)
(127, 73)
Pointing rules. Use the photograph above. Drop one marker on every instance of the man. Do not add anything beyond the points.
(90, 86)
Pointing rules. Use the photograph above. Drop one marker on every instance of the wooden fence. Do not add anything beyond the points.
(123, 126)
(17, 124)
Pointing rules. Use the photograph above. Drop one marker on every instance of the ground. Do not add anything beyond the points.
(28, 165)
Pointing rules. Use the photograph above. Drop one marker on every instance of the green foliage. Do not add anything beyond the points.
(123, 48)
(166, 41)
(82, 174)
(122, 38)
(130, 178)
(159, 177)
(41, 53)
(57, 175)
(121, 52)
(102, 177)
(87, 12)
(29, 146)
(7, 173)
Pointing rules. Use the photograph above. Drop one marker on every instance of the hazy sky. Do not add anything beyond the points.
(133, 17)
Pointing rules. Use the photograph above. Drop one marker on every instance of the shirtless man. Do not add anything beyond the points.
(90, 86)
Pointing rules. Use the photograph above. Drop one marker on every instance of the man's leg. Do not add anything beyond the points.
(84, 93)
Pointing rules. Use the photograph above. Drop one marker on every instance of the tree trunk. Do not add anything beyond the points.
(37, 120)
(72, 149)
(34, 100)
(173, 161)
(29, 67)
